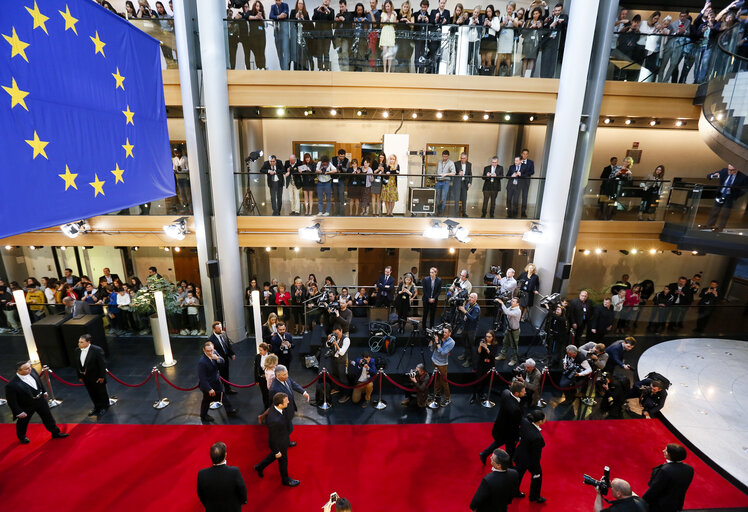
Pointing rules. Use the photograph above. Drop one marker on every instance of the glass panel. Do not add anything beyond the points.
(163, 30)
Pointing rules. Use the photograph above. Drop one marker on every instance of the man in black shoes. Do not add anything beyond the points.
(279, 422)
(210, 382)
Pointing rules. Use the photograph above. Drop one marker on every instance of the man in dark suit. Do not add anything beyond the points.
(285, 384)
(75, 308)
(491, 185)
(438, 18)
(221, 487)
(505, 430)
(275, 179)
(91, 367)
(222, 344)
(513, 188)
(432, 287)
(607, 188)
(26, 395)
(209, 382)
(497, 488)
(731, 180)
(108, 276)
(669, 481)
(552, 42)
(527, 169)
(280, 423)
(340, 163)
(385, 287)
(580, 312)
(461, 184)
(682, 298)
(282, 343)
(528, 454)
(601, 322)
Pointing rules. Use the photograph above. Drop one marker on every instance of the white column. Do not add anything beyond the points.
(163, 329)
(23, 315)
(572, 85)
(257, 319)
(220, 154)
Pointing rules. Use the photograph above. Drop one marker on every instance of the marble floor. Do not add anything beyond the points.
(708, 396)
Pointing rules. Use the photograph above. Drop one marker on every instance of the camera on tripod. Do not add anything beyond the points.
(602, 485)
(458, 299)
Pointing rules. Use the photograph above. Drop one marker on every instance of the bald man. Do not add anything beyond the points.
(624, 500)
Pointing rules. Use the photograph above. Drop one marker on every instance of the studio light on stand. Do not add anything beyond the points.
(73, 229)
(534, 235)
(177, 229)
(460, 233)
(311, 234)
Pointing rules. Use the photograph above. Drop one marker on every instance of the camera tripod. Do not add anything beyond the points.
(413, 342)
(541, 339)
(249, 205)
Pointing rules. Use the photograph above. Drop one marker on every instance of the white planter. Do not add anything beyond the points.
(158, 343)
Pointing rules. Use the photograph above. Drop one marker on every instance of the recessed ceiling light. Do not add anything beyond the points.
(653, 251)
(267, 249)
(177, 249)
(679, 123)
(598, 251)
(586, 252)
(634, 251)
(652, 122)
(532, 118)
(451, 250)
(507, 117)
(359, 113)
(280, 111)
(439, 115)
(627, 121)
(333, 112)
(385, 114)
(486, 116)
(465, 117)
(607, 120)
(296, 249)
(414, 115)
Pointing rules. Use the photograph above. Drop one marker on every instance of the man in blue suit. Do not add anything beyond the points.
(385, 287)
(731, 181)
(513, 187)
(284, 384)
(527, 169)
(432, 287)
(210, 382)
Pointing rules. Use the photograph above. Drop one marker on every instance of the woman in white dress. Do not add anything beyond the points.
(387, 36)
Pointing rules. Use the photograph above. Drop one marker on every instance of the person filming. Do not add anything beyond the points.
(624, 500)
(420, 380)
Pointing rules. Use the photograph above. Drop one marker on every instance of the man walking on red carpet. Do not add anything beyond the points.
(497, 488)
(670, 481)
(221, 487)
(91, 367)
(506, 427)
(279, 423)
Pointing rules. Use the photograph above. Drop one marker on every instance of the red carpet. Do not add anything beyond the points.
(378, 467)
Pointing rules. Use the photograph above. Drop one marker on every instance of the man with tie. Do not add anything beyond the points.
(498, 488)
(432, 287)
(285, 384)
(91, 367)
(491, 185)
(108, 276)
(732, 182)
(280, 424)
(221, 487)
(75, 308)
(222, 344)
(210, 383)
(26, 395)
(385, 287)
(513, 188)
(275, 179)
(669, 481)
(282, 343)
(527, 170)
(439, 17)
(462, 182)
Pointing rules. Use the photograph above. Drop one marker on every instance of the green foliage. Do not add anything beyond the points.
(144, 300)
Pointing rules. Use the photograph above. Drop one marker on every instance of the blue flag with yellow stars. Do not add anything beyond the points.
(82, 116)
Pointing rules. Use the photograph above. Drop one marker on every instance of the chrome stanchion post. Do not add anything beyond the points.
(325, 404)
(433, 404)
(53, 402)
(380, 404)
(487, 402)
(112, 399)
(541, 402)
(588, 400)
(161, 403)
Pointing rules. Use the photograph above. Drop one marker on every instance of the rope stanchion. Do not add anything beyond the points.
(170, 383)
(4, 379)
(325, 404)
(150, 375)
(3, 401)
(469, 383)
(541, 402)
(487, 403)
(380, 404)
(238, 385)
(588, 400)
(61, 379)
(52, 401)
(433, 404)
(162, 402)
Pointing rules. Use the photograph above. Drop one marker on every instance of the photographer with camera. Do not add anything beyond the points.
(420, 380)
(612, 396)
(489, 293)
(651, 394)
(575, 367)
(486, 352)
(361, 371)
(624, 499)
(461, 283)
(616, 351)
(530, 376)
(340, 504)
(557, 327)
(595, 354)
(498, 488)
(471, 315)
(511, 336)
(340, 313)
(441, 345)
(338, 343)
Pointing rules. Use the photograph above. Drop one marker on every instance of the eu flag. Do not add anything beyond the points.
(82, 117)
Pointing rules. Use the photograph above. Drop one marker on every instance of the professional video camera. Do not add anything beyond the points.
(552, 301)
(437, 330)
(333, 306)
(458, 299)
(571, 371)
(489, 276)
(601, 485)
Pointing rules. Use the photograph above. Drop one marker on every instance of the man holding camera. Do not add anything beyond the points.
(441, 347)
(530, 376)
(595, 354)
(420, 380)
(651, 394)
(363, 369)
(624, 499)
(339, 344)
(461, 283)
(505, 431)
(616, 351)
(471, 312)
(669, 481)
(498, 488)
(511, 336)
(575, 367)
(612, 396)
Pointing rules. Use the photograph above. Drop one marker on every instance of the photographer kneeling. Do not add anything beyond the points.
(528, 374)
(624, 499)
(576, 366)
(420, 380)
(362, 371)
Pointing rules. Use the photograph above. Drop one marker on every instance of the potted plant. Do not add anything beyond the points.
(144, 302)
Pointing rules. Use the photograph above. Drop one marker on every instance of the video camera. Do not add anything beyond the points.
(491, 274)
(411, 374)
(602, 485)
(552, 301)
(437, 330)
(458, 299)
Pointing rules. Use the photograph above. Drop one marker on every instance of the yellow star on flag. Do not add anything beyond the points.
(16, 95)
(129, 115)
(97, 185)
(99, 44)
(128, 148)
(69, 20)
(38, 146)
(120, 80)
(39, 18)
(69, 178)
(17, 47)
(117, 174)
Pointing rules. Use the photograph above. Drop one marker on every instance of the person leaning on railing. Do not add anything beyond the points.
(279, 15)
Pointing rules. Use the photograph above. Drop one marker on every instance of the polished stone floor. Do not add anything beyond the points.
(708, 396)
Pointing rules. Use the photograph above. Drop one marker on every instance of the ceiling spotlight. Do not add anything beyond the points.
(63, 248)
(679, 123)
(386, 114)
(359, 113)
(652, 122)
(462, 235)
(439, 115)
(267, 249)
(32, 247)
(333, 112)
(136, 248)
(465, 117)
(653, 251)
(627, 121)
(586, 252)
(534, 235)
(694, 252)
(532, 118)
(166, 249)
(254, 156)
(177, 249)
(451, 250)
(306, 112)
(598, 251)
(176, 229)
(507, 117)
(73, 229)
(311, 234)
(607, 120)
(295, 249)
(280, 111)
(414, 115)
(634, 251)
(8, 247)
(436, 231)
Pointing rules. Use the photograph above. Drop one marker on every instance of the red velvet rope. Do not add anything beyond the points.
(175, 386)
(3, 379)
(508, 382)
(238, 385)
(130, 385)
(313, 381)
(53, 374)
(357, 386)
(410, 390)
(469, 383)
(572, 387)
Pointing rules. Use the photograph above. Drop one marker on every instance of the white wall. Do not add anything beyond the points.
(40, 263)
(15, 264)
(153, 257)
(338, 263)
(109, 257)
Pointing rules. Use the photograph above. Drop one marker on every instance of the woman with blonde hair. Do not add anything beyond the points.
(271, 361)
(387, 36)
(270, 328)
(263, 351)
(528, 285)
(389, 181)
(404, 51)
